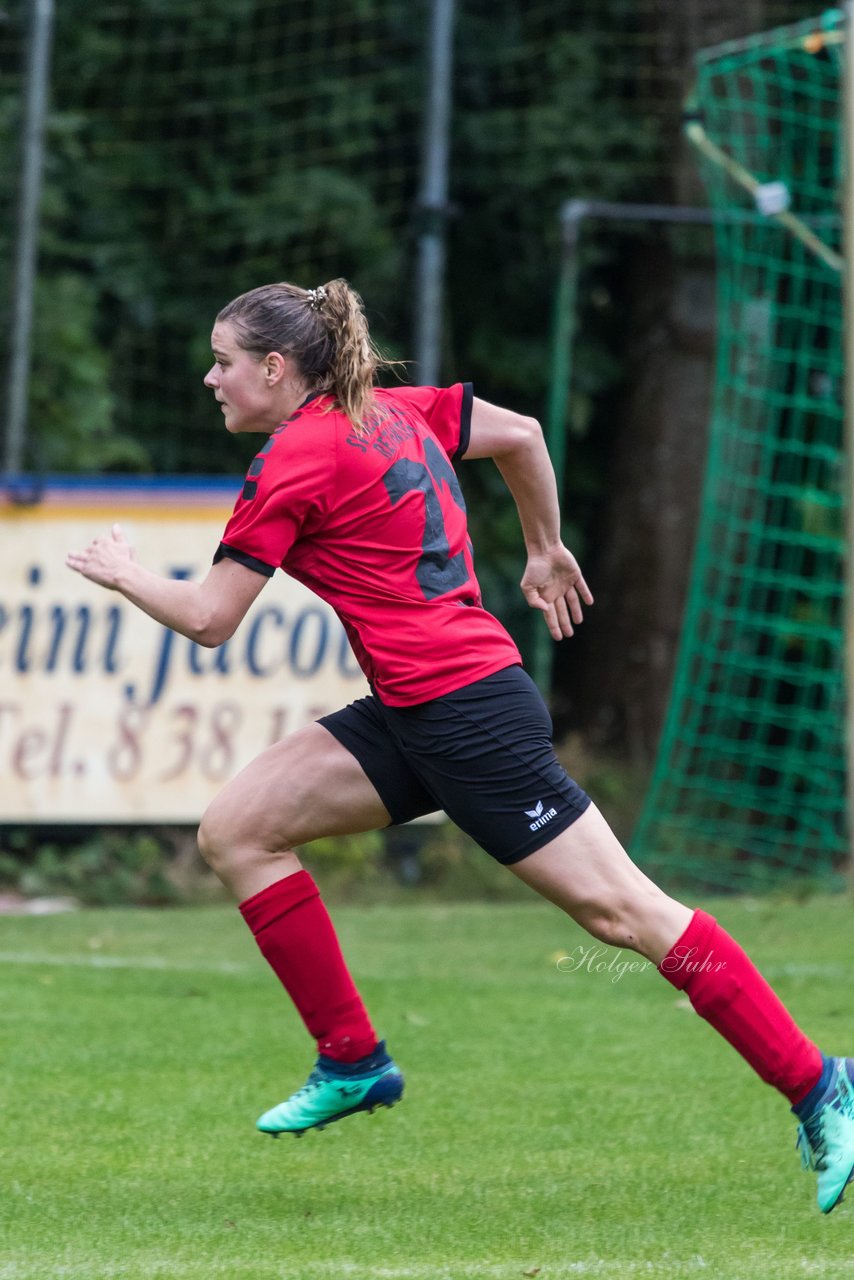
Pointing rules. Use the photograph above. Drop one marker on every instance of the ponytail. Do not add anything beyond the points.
(325, 332)
(356, 360)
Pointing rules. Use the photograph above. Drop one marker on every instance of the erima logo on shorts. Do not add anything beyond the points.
(540, 817)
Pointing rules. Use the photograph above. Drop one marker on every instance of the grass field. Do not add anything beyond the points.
(557, 1124)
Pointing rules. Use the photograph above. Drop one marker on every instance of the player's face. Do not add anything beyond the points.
(241, 384)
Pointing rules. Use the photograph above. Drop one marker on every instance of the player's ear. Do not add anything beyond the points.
(277, 367)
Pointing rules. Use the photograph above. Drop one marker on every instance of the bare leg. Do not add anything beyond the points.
(588, 874)
(303, 788)
(586, 871)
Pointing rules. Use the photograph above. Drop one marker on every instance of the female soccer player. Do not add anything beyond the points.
(354, 493)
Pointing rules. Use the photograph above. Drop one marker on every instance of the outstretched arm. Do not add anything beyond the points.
(207, 612)
(552, 581)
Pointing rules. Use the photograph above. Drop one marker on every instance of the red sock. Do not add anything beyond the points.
(297, 939)
(728, 991)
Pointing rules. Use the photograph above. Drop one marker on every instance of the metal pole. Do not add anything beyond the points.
(572, 216)
(29, 202)
(848, 296)
(560, 380)
(433, 197)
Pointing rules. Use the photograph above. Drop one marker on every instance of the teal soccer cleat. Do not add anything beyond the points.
(826, 1136)
(331, 1093)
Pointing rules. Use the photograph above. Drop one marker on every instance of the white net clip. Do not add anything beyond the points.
(772, 197)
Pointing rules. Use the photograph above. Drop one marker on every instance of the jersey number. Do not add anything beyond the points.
(438, 571)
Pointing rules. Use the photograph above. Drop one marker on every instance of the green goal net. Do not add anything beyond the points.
(749, 783)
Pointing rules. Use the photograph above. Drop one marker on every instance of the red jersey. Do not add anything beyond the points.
(374, 522)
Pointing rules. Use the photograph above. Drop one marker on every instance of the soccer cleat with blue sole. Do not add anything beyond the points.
(327, 1096)
(826, 1136)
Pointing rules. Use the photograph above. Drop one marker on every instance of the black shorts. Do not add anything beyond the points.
(483, 754)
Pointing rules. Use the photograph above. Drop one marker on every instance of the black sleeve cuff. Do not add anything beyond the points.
(225, 552)
(465, 420)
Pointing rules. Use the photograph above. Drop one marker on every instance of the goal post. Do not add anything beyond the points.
(749, 786)
(848, 286)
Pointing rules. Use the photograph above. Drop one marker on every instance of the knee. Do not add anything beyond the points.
(222, 835)
(622, 918)
(610, 924)
(635, 922)
(209, 837)
(233, 835)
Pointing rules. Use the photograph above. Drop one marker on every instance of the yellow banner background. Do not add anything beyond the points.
(105, 716)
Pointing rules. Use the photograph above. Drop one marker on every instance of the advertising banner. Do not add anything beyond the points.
(106, 716)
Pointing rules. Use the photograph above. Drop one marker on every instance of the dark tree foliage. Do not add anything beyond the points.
(175, 179)
(199, 147)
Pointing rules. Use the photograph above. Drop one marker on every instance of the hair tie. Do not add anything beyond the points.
(316, 297)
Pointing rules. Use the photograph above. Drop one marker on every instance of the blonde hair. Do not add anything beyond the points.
(323, 330)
